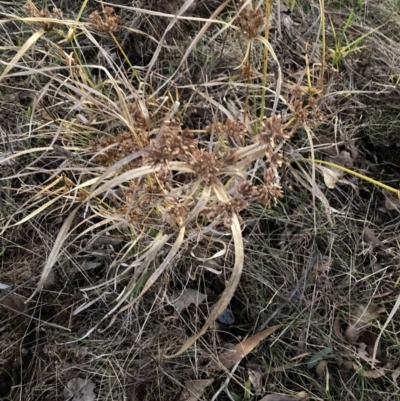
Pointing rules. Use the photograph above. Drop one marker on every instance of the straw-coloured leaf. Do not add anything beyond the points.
(331, 176)
(256, 379)
(55, 252)
(79, 389)
(229, 358)
(360, 320)
(31, 41)
(181, 301)
(234, 280)
(194, 389)
(321, 367)
(283, 397)
(377, 373)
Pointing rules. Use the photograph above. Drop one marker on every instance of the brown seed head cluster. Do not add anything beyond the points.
(250, 22)
(273, 132)
(304, 106)
(107, 22)
(125, 143)
(173, 144)
(32, 11)
(205, 165)
(225, 211)
(176, 210)
(230, 130)
(270, 191)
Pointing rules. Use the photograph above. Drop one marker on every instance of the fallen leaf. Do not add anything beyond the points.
(321, 367)
(4, 286)
(187, 297)
(256, 379)
(360, 320)
(194, 389)
(344, 159)
(13, 301)
(349, 365)
(377, 373)
(318, 356)
(283, 397)
(229, 358)
(396, 374)
(331, 176)
(80, 390)
(324, 144)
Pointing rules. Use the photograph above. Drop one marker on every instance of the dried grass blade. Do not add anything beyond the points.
(229, 291)
(388, 320)
(127, 176)
(51, 260)
(202, 202)
(136, 173)
(145, 259)
(154, 277)
(32, 40)
(193, 44)
(155, 57)
(279, 79)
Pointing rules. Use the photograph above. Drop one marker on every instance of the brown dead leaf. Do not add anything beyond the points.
(229, 358)
(194, 389)
(344, 159)
(392, 202)
(13, 301)
(377, 373)
(283, 397)
(321, 367)
(360, 320)
(349, 365)
(324, 144)
(187, 297)
(256, 379)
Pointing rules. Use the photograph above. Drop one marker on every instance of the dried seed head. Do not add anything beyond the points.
(251, 22)
(225, 211)
(109, 22)
(270, 191)
(205, 165)
(246, 189)
(176, 211)
(32, 11)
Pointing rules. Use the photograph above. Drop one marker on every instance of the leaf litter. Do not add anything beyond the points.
(79, 389)
(360, 320)
(181, 301)
(194, 389)
(231, 357)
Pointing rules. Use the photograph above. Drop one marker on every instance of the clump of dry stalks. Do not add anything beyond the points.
(175, 184)
(164, 179)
